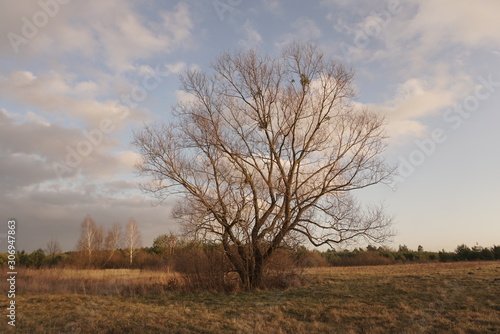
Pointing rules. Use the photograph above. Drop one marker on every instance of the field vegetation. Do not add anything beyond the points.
(188, 286)
(458, 297)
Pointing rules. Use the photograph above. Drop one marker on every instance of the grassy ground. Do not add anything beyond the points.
(418, 298)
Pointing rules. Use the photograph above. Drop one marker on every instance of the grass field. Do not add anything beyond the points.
(416, 298)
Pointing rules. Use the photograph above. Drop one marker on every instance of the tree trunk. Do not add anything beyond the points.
(251, 274)
(257, 273)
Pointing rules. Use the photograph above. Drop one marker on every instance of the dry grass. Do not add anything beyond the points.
(419, 298)
(115, 282)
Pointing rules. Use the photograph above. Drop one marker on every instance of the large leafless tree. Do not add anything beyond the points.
(265, 148)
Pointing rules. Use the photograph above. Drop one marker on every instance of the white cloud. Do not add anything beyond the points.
(54, 94)
(426, 46)
(129, 159)
(404, 129)
(361, 4)
(273, 6)
(176, 68)
(420, 97)
(426, 29)
(473, 24)
(35, 118)
(184, 97)
(92, 29)
(253, 38)
(44, 144)
(305, 29)
(178, 25)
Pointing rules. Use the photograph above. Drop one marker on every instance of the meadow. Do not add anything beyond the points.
(459, 297)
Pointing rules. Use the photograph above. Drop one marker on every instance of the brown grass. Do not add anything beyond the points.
(417, 298)
(113, 282)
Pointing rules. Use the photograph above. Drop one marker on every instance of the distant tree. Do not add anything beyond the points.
(496, 252)
(164, 245)
(90, 238)
(403, 248)
(371, 248)
(132, 240)
(445, 256)
(22, 258)
(53, 252)
(463, 253)
(53, 248)
(269, 148)
(420, 249)
(37, 258)
(4, 259)
(99, 238)
(487, 254)
(113, 241)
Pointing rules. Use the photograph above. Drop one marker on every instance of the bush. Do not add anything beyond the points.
(496, 252)
(446, 257)
(487, 254)
(205, 268)
(149, 261)
(283, 270)
(364, 258)
(305, 258)
(463, 253)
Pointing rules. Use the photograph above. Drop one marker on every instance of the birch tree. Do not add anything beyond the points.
(133, 240)
(113, 241)
(90, 241)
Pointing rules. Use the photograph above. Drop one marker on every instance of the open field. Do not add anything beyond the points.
(417, 298)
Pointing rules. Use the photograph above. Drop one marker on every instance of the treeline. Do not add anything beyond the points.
(115, 247)
(172, 252)
(384, 256)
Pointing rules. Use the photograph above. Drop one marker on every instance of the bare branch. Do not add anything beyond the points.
(268, 147)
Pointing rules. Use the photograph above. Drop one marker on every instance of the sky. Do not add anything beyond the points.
(78, 77)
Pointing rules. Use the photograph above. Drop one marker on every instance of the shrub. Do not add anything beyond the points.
(496, 252)
(282, 270)
(205, 268)
(364, 258)
(446, 257)
(306, 259)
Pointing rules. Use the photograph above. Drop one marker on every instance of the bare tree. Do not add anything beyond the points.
(99, 244)
(53, 248)
(164, 245)
(90, 238)
(132, 239)
(113, 240)
(265, 149)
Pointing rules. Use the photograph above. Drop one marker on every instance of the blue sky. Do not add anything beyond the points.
(76, 78)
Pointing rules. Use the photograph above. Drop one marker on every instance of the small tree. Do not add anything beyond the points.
(132, 240)
(113, 241)
(53, 252)
(90, 238)
(496, 252)
(268, 149)
(37, 258)
(463, 253)
(53, 248)
(164, 245)
(403, 249)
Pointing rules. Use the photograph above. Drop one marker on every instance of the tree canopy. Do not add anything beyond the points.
(265, 149)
